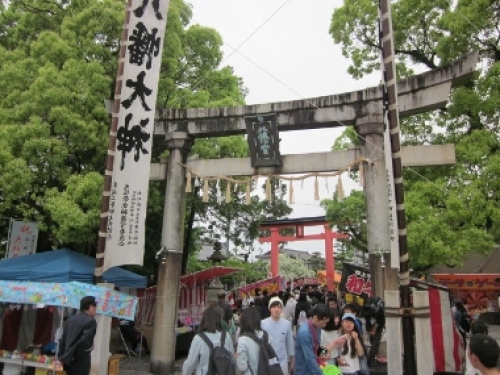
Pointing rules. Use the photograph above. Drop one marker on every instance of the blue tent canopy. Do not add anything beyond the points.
(62, 266)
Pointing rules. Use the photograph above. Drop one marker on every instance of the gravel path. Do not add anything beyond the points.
(140, 366)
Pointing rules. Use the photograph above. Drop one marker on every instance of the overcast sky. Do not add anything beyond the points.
(285, 52)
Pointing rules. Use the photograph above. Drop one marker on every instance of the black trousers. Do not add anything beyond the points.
(79, 366)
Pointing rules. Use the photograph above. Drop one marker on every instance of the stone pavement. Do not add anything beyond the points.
(140, 366)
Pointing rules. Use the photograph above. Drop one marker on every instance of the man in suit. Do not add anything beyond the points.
(78, 339)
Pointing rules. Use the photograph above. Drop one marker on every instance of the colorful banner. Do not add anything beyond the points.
(272, 285)
(356, 280)
(109, 302)
(321, 278)
(305, 281)
(22, 239)
(470, 282)
(136, 115)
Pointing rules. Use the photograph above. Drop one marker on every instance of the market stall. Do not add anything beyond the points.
(192, 295)
(65, 265)
(36, 309)
(272, 285)
(480, 292)
(192, 301)
(476, 281)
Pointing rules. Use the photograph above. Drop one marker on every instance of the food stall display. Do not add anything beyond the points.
(20, 297)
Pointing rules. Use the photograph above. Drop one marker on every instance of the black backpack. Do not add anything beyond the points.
(221, 361)
(465, 322)
(268, 361)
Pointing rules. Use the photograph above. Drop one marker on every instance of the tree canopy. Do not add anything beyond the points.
(451, 210)
(58, 62)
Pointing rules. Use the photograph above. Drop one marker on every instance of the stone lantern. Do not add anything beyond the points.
(215, 286)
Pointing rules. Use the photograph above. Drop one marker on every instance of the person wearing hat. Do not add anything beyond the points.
(279, 331)
(353, 348)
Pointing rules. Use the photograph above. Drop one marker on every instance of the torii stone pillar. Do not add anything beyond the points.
(163, 348)
(370, 127)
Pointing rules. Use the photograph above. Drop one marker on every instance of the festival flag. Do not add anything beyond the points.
(134, 106)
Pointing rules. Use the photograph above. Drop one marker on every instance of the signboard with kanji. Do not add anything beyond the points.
(356, 280)
(23, 239)
(263, 141)
(136, 114)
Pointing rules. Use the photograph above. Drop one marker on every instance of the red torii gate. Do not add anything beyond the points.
(298, 224)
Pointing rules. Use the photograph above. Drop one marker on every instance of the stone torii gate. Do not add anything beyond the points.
(363, 109)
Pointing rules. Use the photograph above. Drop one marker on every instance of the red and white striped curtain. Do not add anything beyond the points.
(449, 351)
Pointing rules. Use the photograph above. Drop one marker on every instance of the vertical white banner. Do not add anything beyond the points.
(141, 71)
(23, 238)
(393, 223)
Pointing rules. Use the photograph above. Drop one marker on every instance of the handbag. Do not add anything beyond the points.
(363, 365)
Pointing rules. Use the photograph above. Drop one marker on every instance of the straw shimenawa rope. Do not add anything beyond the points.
(248, 181)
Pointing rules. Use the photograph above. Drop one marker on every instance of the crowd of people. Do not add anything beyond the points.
(308, 331)
(307, 334)
(482, 350)
(311, 331)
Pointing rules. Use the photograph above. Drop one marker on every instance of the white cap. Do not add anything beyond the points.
(274, 300)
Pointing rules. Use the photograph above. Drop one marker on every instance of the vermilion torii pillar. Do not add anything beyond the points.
(298, 225)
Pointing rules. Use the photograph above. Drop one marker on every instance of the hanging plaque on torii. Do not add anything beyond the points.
(263, 141)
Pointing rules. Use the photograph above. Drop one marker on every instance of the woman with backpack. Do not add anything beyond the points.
(247, 352)
(199, 353)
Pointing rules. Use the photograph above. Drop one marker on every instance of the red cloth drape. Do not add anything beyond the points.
(11, 325)
(43, 326)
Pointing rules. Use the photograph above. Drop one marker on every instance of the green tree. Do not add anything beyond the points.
(293, 268)
(238, 221)
(348, 216)
(58, 62)
(317, 262)
(451, 211)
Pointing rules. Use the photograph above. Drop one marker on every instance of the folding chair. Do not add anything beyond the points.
(129, 351)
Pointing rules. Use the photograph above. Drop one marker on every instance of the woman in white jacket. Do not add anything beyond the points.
(199, 352)
(247, 353)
